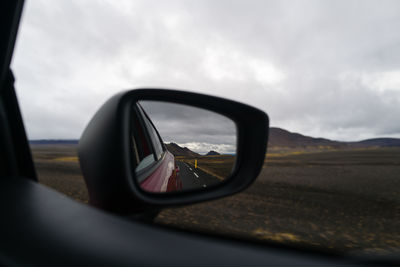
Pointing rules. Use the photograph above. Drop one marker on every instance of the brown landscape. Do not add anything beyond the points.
(346, 200)
(341, 199)
(57, 167)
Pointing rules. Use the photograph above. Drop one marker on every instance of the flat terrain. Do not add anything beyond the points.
(346, 200)
(57, 167)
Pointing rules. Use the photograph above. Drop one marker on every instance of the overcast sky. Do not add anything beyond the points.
(322, 68)
(198, 129)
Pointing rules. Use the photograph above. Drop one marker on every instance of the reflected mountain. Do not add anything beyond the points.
(213, 153)
(177, 150)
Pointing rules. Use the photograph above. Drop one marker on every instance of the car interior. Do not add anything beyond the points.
(42, 227)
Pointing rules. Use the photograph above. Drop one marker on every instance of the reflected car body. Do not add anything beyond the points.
(165, 178)
(156, 167)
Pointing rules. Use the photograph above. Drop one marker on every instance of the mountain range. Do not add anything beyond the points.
(282, 138)
(180, 151)
(212, 153)
(54, 142)
(277, 138)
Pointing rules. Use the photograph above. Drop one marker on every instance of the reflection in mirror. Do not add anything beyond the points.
(178, 147)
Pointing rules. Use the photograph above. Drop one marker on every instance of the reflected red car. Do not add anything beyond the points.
(165, 177)
(156, 170)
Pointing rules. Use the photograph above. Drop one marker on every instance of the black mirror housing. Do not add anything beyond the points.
(106, 160)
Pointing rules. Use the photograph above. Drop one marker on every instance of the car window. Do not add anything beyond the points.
(155, 139)
(141, 146)
(326, 72)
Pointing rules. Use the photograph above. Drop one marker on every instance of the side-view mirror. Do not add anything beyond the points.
(178, 148)
(149, 148)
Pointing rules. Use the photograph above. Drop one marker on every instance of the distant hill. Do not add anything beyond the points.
(212, 153)
(382, 142)
(281, 138)
(177, 150)
(54, 142)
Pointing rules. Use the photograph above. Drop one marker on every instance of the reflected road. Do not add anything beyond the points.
(194, 178)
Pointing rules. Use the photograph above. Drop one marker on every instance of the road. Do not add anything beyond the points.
(194, 178)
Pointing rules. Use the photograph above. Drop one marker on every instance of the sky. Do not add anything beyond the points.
(199, 130)
(321, 68)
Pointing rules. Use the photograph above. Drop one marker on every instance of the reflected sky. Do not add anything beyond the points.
(198, 129)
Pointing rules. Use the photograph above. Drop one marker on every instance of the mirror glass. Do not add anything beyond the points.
(178, 147)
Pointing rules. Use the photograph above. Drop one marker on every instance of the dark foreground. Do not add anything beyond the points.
(341, 200)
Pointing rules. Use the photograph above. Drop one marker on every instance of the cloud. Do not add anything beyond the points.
(328, 69)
